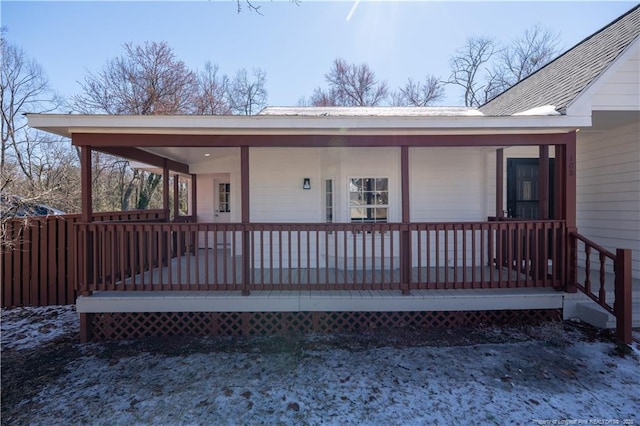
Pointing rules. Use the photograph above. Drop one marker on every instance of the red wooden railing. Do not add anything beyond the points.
(522, 254)
(605, 262)
(249, 257)
(38, 257)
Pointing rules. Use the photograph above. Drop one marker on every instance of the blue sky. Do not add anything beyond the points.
(295, 45)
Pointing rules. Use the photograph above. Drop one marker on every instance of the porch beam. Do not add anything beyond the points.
(105, 141)
(543, 182)
(141, 156)
(85, 183)
(500, 182)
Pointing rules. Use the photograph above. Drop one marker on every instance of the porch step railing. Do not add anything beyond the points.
(320, 256)
(597, 260)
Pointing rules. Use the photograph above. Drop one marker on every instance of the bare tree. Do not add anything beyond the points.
(321, 98)
(252, 6)
(350, 85)
(23, 88)
(483, 69)
(468, 66)
(525, 55)
(211, 98)
(247, 94)
(34, 168)
(148, 79)
(419, 93)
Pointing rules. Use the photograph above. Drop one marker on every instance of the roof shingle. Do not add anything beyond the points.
(563, 79)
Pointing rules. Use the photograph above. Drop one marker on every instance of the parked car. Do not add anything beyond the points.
(14, 206)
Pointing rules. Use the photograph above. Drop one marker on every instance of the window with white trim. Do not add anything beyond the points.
(328, 200)
(368, 200)
(224, 192)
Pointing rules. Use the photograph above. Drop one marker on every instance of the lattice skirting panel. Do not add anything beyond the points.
(115, 326)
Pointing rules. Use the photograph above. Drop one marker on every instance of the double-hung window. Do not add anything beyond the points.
(368, 200)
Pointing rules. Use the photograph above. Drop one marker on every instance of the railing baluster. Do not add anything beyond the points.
(602, 293)
(587, 268)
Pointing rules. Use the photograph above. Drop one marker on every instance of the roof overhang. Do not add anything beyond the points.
(69, 124)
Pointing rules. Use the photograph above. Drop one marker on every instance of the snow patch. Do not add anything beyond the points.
(29, 327)
(373, 111)
(541, 110)
(528, 382)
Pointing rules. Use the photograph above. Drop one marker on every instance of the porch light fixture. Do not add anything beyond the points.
(306, 183)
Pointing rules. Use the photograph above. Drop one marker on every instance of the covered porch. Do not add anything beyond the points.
(406, 259)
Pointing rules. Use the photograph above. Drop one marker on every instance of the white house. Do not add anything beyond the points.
(347, 218)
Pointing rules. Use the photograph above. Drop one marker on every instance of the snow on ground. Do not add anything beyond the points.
(312, 380)
(23, 328)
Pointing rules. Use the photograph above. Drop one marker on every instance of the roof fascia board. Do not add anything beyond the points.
(581, 104)
(66, 125)
(101, 140)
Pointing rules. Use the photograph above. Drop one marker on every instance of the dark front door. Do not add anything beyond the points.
(522, 188)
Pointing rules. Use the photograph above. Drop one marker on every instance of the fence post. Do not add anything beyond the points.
(405, 259)
(622, 304)
(85, 327)
(571, 263)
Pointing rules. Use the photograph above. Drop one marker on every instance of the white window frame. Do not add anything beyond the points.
(332, 199)
(368, 206)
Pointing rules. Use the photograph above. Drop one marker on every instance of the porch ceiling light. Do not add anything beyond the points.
(306, 183)
(207, 155)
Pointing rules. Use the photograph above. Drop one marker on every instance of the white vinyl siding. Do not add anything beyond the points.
(608, 189)
(447, 184)
(276, 177)
(621, 91)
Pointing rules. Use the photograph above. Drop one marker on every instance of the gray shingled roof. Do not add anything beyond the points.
(563, 79)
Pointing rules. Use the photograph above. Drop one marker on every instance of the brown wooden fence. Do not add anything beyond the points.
(39, 263)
